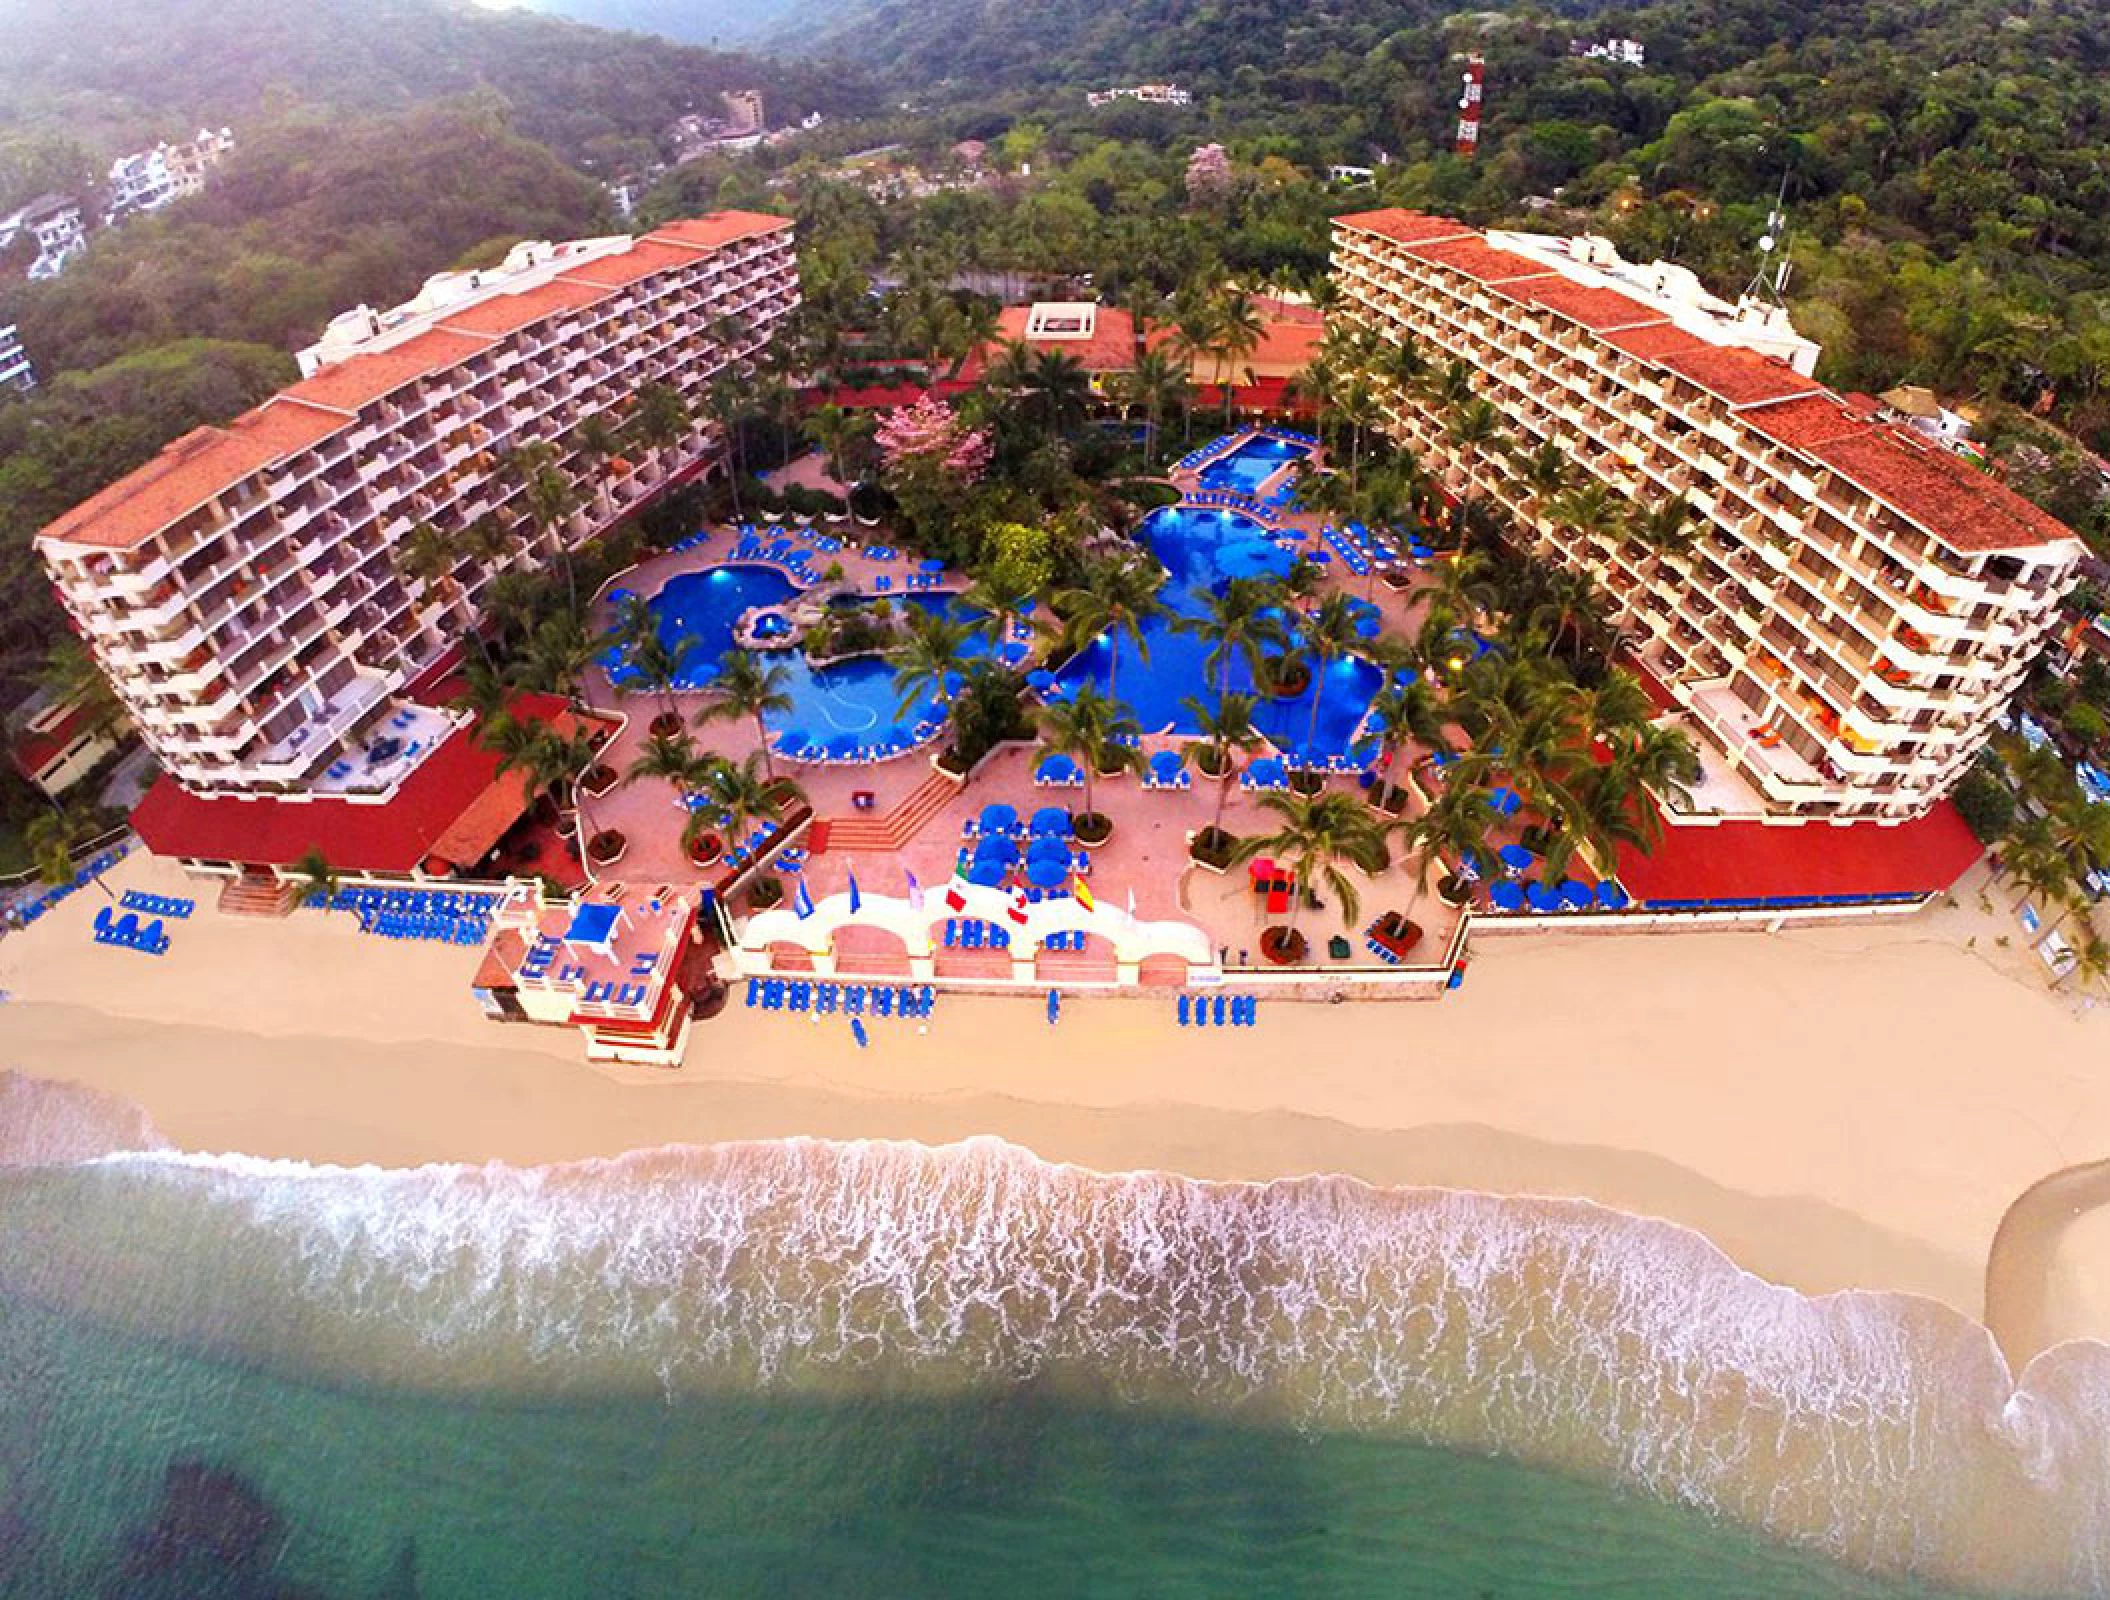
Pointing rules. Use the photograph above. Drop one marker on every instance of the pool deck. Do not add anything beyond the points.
(1146, 857)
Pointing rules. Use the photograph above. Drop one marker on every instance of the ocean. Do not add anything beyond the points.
(879, 1369)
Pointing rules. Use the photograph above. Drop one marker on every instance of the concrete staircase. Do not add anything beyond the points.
(891, 831)
(256, 896)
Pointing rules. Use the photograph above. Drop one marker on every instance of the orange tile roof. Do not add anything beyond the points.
(289, 426)
(362, 379)
(1111, 348)
(1403, 226)
(1741, 377)
(1652, 343)
(1940, 491)
(641, 260)
(188, 472)
(1596, 309)
(1476, 258)
(507, 313)
(1806, 421)
(716, 228)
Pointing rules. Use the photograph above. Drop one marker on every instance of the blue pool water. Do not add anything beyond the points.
(848, 703)
(1201, 551)
(1249, 466)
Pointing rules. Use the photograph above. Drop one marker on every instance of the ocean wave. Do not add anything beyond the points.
(1882, 1429)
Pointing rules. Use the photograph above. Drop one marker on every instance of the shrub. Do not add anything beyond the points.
(1986, 804)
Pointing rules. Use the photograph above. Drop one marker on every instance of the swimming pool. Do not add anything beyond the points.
(1201, 551)
(1251, 464)
(842, 706)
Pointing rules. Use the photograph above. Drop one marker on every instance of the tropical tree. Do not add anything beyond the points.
(1570, 610)
(1317, 835)
(1243, 622)
(738, 794)
(672, 758)
(52, 837)
(927, 657)
(1224, 727)
(1094, 730)
(72, 677)
(659, 421)
(548, 500)
(426, 557)
(1455, 827)
(1235, 334)
(1473, 428)
(1159, 386)
(661, 667)
(1057, 390)
(1663, 529)
(594, 440)
(1354, 405)
(318, 879)
(1118, 596)
(748, 687)
(1407, 708)
(1326, 634)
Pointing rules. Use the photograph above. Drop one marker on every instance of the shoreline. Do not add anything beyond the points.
(1728, 1083)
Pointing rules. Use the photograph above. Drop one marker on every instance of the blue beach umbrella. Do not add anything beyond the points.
(988, 874)
(1167, 764)
(1051, 822)
(1542, 897)
(1575, 894)
(1047, 872)
(1515, 857)
(1611, 896)
(999, 818)
(1507, 896)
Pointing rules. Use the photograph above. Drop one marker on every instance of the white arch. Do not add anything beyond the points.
(1132, 938)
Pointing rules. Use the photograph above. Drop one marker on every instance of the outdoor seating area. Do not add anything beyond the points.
(26, 911)
(971, 933)
(847, 750)
(158, 905)
(905, 1001)
(444, 916)
(1167, 770)
(1264, 773)
(128, 933)
(1058, 772)
(996, 848)
(1221, 1011)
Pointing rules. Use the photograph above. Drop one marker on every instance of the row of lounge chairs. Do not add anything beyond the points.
(127, 933)
(433, 927)
(1236, 1010)
(971, 933)
(829, 753)
(369, 897)
(158, 905)
(614, 994)
(1058, 772)
(855, 999)
(24, 912)
(1232, 500)
(1509, 897)
(1201, 454)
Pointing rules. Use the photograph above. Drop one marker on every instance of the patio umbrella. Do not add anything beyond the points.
(791, 744)
(999, 818)
(1575, 894)
(1506, 802)
(1515, 857)
(1051, 822)
(1001, 851)
(988, 874)
(1267, 772)
(954, 683)
(1507, 896)
(1167, 765)
(1047, 873)
(1014, 652)
(1541, 897)
(1055, 766)
(1611, 896)
(930, 566)
(1040, 678)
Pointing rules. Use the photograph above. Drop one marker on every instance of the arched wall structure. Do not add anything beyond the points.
(1133, 939)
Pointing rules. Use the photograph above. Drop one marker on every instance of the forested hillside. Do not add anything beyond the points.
(734, 23)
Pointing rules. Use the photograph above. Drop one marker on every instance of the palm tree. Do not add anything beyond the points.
(1094, 730)
(594, 440)
(1117, 598)
(1058, 390)
(548, 500)
(1244, 621)
(1318, 833)
(318, 879)
(1194, 319)
(739, 794)
(1355, 404)
(725, 402)
(1001, 602)
(51, 837)
(70, 674)
(1407, 708)
(556, 655)
(1236, 335)
(927, 656)
(1159, 385)
(1225, 727)
(1454, 828)
(747, 687)
(1619, 709)
(659, 421)
(672, 757)
(1663, 529)
(426, 557)
(1473, 427)
(1327, 634)
(1571, 610)
(661, 668)
(551, 761)
(1545, 472)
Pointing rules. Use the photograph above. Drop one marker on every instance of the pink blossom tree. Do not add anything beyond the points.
(1209, 176)
(930, 459)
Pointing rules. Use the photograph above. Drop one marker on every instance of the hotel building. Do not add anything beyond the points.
(1858, 603)
(246, 590)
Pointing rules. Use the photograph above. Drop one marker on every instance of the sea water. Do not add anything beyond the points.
(803, 1367)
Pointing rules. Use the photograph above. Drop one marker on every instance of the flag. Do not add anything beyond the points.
(803, 902)
(1083, 893)
(915, 893)
(1131, 902)
(856, 900)
(956, 894)
(1017, 910)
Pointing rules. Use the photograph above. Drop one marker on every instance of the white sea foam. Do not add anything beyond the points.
(1881, 1428)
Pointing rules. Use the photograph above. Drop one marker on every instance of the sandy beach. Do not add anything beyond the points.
(1836, 1108)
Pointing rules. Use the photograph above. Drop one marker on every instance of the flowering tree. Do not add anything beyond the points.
(930, 460)
(1209, 176)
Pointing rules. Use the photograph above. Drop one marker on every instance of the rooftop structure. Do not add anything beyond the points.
(1857, 604)
(147, 180)
(55, 222)
(246, 589)
(1155, 94)
(15, 370)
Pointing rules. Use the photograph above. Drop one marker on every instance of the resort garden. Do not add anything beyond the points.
(1288, 687)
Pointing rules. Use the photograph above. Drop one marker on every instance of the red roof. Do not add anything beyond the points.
(362, 379)
(188, 472)
(641, 260)
(506, 313)
(1761, 861)
(457, 785)
(717, 228)
(1111, 348)
(1594, 308)
(1953, 500)
(1806, 421)
(1476, 258)
(38, 748)
(1652, 343)
(1403, 226)
(1741, 377)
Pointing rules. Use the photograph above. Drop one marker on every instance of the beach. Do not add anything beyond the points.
(1764, 1173)
(1843, 1107)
